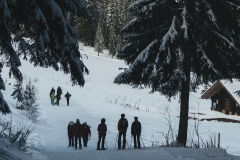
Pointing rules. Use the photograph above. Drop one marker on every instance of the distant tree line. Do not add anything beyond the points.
(103, 29)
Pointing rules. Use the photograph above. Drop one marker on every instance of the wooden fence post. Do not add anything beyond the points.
(218, 140)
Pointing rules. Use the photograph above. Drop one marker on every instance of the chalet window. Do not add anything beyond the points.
(216, 101)
(237, 105)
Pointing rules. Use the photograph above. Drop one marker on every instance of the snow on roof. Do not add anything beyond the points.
(232, 87)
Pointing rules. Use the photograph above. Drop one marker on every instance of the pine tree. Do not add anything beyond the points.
(105, 22)
(53, 40)
(18, 94)
(99, 41)
(4, 108)
(44, 36)
(29, 96)
(30, 101)
(174, 46)
(87, 28)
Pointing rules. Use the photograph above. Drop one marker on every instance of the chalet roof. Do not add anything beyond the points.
(228, 86)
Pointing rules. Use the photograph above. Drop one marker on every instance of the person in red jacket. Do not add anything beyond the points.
(77, 132)
(122, 128)
(102, 129)
(86, 133)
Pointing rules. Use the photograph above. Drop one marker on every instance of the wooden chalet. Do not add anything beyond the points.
(223, 97)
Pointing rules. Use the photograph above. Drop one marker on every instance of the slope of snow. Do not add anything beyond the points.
(100, 98)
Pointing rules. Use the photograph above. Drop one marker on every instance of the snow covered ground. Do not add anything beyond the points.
(100, 98)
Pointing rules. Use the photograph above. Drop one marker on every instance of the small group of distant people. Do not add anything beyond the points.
(58, 96)
(76, 131)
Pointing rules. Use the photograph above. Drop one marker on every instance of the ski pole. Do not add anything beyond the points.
(131, 142)
(116, 141)
(142, 141)
(127, 143)
(106, 143)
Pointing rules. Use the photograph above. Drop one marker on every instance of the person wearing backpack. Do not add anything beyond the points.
(136, 132)
(58, 96)
(102, 129)
(70, 133)
(77, 132)
(86, 133)
(122, 129)
(67, 95)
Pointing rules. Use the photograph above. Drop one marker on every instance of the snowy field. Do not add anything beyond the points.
(100, 98)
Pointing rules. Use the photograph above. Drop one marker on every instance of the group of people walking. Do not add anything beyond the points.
(57, 97)
(77, 131)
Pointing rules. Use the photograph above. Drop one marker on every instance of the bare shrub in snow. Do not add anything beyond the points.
(169, 137)
(16, 132)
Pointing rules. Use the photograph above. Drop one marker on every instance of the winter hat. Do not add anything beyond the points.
(123, 115)
(71, 123)
(103, 120)
(136, 118)
(77, 120)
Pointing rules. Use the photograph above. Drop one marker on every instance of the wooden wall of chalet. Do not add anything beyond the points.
(225, 103)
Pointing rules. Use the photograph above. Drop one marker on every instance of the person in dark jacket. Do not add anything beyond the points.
(59, 92)
(52, 91)
(136, 132)
(70, 133)
(86, 133)
(122, 128)
(77, 132)
(67, 95)
(102, 129)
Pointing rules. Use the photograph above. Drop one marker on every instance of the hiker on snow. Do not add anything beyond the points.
(136, 132)
(122, 128)
(70, 133)
(52, 91)
(52, 98)
(86, 133)
(59, 92)
(102, 129)
(77, 132)
(67, 95)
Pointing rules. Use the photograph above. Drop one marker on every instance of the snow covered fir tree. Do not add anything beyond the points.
(4, 108)
(18, 94)
(43, 35)
(174, 46)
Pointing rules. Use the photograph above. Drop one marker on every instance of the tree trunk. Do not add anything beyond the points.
(184, 97)
(183, 123)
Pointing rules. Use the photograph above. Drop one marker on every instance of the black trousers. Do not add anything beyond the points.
(57, 101)
(70, 138)
(99, 141)
(85, 141)
(67, 101)
(136, 139)
(76, 139)
(124, 139)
